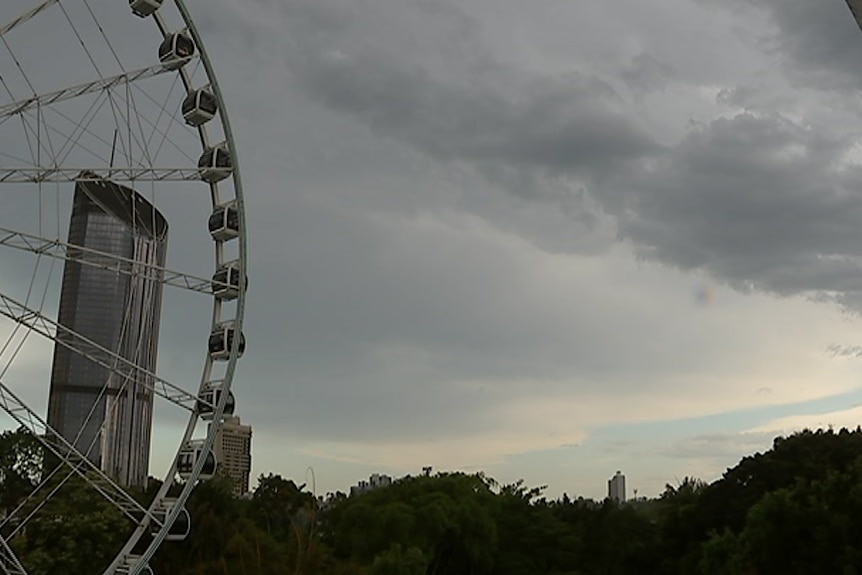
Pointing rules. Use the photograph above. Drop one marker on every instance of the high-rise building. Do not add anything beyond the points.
(233, 452)
(617, 488)
(107, 413)
(375, 481)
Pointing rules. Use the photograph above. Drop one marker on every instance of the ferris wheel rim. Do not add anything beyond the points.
(142, 562)
(125, 562)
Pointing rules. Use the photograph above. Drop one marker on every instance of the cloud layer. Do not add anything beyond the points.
(483, 233)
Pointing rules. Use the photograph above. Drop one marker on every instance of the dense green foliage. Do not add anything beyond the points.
(795, 509)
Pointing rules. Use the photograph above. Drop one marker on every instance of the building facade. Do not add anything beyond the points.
(100, 405)
(233, 453)
(617, 488)
(374, 481)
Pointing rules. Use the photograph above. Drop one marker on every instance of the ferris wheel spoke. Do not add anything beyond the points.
(15, 22)
(33, 134)
(35, 175)
(16, 159)
(28, 131)
(59, 249)
(104, 36)
(163, 111)
(79, 90)
(79, 129)
(71, 141)
(85, 347)
(42, 127)
(126, 116)
(142, 140)
(66, 452)
(141, 137)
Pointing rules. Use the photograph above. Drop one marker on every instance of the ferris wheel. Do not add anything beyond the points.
(122, 241)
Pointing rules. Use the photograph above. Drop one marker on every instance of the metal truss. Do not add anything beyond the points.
(36, 175)
(85, 347)
(104, 260)
(8, 562)
(12, 24)
(106, 83)
(66, 452)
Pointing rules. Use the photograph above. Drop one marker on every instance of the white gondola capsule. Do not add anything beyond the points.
(224, 222)
(179, 529)
(175, 50)
(189, 456)
(215, 164)
(221, 341)
(199, 107)
(210, 397)
(226, 282)
(144, 8)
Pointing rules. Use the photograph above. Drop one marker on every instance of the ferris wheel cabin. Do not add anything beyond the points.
(224, 222)
(180, 528)
(144, 8)
(226, 282)
(199, 107)
(175, 50)
(221, 342)
(210, 397)
(215, 164)
(190, 455)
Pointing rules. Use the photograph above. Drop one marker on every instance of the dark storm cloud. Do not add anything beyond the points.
(647, 73)
(758, 200)
(472, 111)
(819, 43)
(380, 311)
(765, 201)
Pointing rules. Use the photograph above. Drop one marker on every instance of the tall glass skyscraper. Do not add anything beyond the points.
(107, 413)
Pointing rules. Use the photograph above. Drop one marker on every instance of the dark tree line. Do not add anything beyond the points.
(795, 509)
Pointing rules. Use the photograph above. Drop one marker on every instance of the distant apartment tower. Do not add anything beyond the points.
(375, 481)
(107, 413)
(617, 488)
(233, 453)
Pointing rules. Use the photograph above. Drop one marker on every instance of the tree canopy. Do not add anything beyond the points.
(794, 509)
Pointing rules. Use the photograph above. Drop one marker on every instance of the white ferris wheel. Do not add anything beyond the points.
(122, 241)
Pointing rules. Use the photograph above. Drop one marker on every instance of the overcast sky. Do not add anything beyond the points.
(547, 239)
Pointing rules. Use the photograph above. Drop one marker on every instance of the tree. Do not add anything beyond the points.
(448, 519)
(76, 531)
(683, 525)
(399, 561)
(20, 466)
(288, 514)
